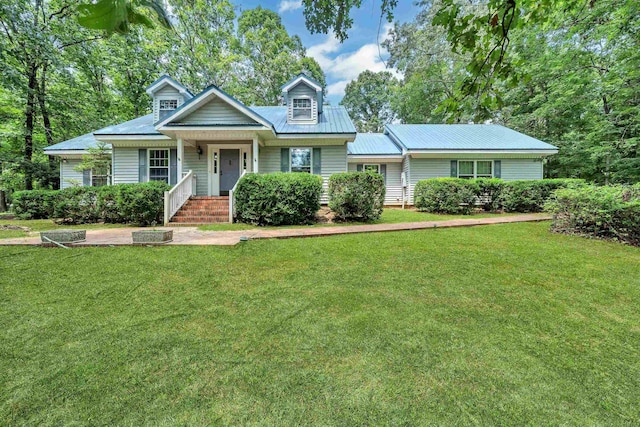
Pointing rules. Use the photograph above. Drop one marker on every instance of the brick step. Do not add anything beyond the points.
(201, 213)
(200, 219)
(209, 198)
(216, 206)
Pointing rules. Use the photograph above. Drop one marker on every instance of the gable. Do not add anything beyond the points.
(302, 89)
(217, 111)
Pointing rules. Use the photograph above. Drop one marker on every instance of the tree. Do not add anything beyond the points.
(368, 100)
(117, 16)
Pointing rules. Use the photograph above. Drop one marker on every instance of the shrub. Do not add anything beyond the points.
(356, 195)
(603, 212)
(77, 205)
(34, 204)
(530, 196)
(141, 204)
(445, 195)
(489, 192)
(278, 198)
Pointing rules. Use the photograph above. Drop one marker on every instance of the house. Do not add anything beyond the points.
(202, 144)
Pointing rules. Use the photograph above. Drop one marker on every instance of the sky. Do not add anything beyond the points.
(341, 62)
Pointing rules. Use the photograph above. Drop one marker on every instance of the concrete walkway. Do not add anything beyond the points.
(193, 236)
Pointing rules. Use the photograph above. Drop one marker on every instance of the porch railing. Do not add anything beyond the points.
(175, 198)
(232, 205)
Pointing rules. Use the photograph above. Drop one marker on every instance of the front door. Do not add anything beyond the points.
(229, 170)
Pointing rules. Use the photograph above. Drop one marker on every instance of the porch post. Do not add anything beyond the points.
(255, 154)
(180, 155)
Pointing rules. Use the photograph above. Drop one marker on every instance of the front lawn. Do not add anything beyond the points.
(494, 325)
(389, 216)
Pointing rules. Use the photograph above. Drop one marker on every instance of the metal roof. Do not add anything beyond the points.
(332, 120)
(372, 144)
(80, 143)
(463, 137)
(140, 126)
(174, 81)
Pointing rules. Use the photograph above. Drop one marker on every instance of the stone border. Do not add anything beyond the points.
(151, 237)
(63, 236)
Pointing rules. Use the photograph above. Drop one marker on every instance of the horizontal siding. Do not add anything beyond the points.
(334, 160)
(427, 168)
(217, 111)
(68, 176)
(199, 168)
(514, 169)
(393, 182)
(125, 165)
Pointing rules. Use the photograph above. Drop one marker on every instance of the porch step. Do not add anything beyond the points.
(203, 210)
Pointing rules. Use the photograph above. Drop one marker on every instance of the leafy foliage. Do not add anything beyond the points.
(356, 196)
(530, 196)
(446, 195)
(34, 204)
(278, 198)
(611, 212)
(368, 100)
(118, 16)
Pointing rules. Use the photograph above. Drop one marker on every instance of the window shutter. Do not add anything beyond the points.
(497, 169)
(317, 161)
(284, 160)
(173, 166)
(359, 167)
(383, 172)
(142, 165)
(86, 178)
(454, 168)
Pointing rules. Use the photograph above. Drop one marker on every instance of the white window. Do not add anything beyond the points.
(475, 169)
(371, 168)
(168, 104)
(300, 160)
(301, 109)
(159, 165)
(100, 175)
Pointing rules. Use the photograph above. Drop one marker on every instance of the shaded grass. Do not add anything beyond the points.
(505, 324)
(36, 225)
(389, 216)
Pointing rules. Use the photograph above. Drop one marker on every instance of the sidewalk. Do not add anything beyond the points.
(193, 236)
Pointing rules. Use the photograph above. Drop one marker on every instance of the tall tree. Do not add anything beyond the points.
(368, 100)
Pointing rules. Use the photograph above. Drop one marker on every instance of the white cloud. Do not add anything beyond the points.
(345, 67)
(289, 5)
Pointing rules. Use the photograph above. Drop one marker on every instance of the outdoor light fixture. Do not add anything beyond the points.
(199, 151)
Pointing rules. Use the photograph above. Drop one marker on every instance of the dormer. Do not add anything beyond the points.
(303, 97)
(167, 96)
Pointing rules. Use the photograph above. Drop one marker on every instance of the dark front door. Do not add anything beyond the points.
(229, 170)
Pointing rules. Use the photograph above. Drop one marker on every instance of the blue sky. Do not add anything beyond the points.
(340, 62)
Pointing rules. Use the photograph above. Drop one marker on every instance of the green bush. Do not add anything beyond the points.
(278, 198)
(530, 196)
(34, 204)
(77, 205)
(446, 195)
(489, 193)
(356, 196)
(603, 212)
(141, 204)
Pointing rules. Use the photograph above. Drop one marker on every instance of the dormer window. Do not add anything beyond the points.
(166, 106)
(302, 109)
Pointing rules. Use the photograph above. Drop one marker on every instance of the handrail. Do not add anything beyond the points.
(231, 195)
(175, 198)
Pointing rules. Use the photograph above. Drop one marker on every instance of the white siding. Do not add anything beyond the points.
(514, 169)
(125, 165)
(427, 168)
(334, 160)
(301, 90)
(68, 176)
(167, 92)
(407, 172)
(217, 111)
(199, 168)
(393, 182)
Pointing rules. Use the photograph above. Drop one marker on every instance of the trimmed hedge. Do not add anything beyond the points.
(356, 196)
(278, 198)
(602, 212)
(34, 204)
(530, 196)
(446, 195)
(141, 204)
(489, 193)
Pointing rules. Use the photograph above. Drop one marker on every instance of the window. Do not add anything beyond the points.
(301, 160)
(475, 169)
(159, 165)
(301, 109)
(371, 168)
(167, 106)
(100, 176)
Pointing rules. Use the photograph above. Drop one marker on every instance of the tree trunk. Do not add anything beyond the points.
(28, 126)
(43, 106)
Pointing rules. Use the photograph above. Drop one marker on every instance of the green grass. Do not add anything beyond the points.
(493, 325)
(389, 216)
(36, 225)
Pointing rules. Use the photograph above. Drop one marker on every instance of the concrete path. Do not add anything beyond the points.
(193, 236)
